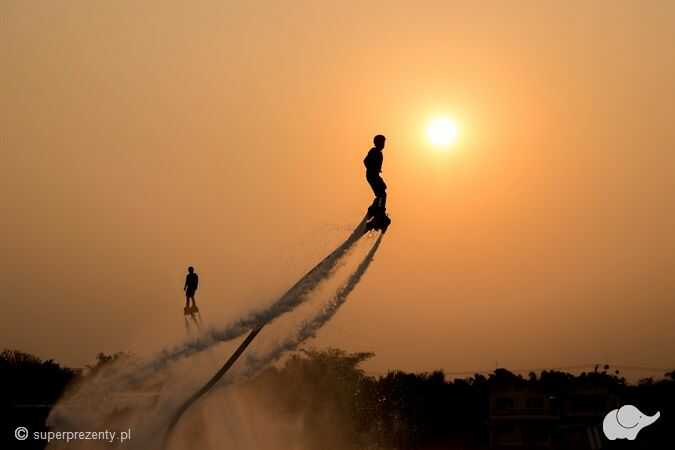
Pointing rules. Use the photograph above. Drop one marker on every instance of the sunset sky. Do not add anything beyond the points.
(138, 138)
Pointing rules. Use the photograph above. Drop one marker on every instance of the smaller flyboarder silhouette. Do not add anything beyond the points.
(190, 288)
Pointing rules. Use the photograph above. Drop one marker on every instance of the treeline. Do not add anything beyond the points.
(337, 403)
(28, 389)
(340, 404)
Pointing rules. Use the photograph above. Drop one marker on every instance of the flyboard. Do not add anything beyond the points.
(377, 218)
(191, 314)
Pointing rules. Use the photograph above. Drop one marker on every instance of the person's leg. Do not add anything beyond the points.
(380, 189)
(377, 215)
(372, 181)
(382, 200)
(372, 209)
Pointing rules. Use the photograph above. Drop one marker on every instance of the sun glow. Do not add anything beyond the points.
(442, 132)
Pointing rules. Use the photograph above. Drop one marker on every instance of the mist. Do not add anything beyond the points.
(145, 396)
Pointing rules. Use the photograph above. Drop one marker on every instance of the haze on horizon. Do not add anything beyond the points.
(138, 139)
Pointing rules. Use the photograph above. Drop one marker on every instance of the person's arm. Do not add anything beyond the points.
(368, 160)
(196, 281)
(186, 283)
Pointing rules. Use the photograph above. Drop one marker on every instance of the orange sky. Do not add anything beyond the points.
(140, 138)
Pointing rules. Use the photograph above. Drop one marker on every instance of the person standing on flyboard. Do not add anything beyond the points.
(377, 216)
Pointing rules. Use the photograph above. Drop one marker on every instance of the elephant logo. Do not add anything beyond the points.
(626, 422)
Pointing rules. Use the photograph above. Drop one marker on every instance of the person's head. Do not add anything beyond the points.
(191, 269)
(379, 141)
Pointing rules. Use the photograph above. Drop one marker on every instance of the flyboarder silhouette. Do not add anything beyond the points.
(190, 288)
(377, 215)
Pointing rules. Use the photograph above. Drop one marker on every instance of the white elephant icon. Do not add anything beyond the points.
(626, 422)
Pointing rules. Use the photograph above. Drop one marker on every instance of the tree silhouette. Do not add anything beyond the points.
(341, 407)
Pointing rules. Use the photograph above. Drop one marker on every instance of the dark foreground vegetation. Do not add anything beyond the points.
(343, 408)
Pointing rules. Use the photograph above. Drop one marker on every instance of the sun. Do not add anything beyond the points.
(442, 132)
